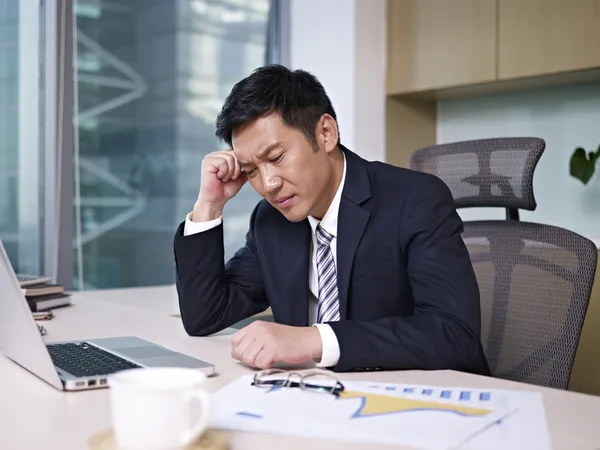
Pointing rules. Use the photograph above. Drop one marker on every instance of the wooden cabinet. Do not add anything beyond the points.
(543, 37)
(439, 49)
(443, 46)
(440, 43)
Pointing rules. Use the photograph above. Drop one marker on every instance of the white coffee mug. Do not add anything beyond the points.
(158, 408)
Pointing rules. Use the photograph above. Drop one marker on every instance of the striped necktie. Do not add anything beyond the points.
(329, 307)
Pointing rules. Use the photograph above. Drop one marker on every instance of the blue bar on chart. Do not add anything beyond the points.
(484, 396)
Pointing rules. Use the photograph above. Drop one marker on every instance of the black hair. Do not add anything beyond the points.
(297, 96)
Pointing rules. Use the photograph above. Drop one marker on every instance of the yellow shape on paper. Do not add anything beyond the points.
(373, 404)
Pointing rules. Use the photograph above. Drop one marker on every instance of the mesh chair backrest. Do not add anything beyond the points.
(485, 172)
(535, 282)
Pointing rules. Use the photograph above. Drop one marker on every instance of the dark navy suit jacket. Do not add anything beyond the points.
(408, 294)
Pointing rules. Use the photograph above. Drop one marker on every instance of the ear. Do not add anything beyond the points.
(327, 132)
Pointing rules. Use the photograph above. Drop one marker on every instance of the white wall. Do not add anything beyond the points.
(342, 42)
(565, 117)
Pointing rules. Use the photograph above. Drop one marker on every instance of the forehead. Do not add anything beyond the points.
(251, 138)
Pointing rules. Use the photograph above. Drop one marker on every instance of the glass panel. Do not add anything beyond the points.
(20, 193)
(152, 76)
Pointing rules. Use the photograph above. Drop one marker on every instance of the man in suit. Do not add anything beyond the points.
(362, 263)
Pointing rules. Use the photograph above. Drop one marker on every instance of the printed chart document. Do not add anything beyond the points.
(524, 428)
(397, 414)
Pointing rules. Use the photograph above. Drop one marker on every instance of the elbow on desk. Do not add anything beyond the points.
(200, 315)
(468, 355)
(203, 318)
(194, 320)
(198, 327)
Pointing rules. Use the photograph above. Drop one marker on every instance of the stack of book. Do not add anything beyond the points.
(41, 294)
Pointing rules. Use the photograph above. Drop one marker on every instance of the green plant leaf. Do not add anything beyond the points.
(596, 156)
(582, 167)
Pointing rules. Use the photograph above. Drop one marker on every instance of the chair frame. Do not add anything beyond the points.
(483, 148)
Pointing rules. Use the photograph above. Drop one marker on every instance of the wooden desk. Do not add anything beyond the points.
(160, 299)
(156, 299)
(33, 415)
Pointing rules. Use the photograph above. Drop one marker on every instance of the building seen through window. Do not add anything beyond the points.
(151, 76)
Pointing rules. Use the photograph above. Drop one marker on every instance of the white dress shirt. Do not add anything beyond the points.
(331, 347)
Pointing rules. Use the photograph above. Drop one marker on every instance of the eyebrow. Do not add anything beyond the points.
(264, 152)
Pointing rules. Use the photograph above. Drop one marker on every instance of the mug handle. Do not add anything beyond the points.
(191, 434)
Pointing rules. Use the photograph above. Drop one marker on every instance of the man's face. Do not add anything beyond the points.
(283, 167)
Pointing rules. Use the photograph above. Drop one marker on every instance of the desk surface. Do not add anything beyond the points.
(33, 415)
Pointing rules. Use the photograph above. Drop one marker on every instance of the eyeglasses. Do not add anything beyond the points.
(318, 381)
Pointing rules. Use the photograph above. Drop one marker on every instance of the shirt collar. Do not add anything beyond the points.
(330, 219)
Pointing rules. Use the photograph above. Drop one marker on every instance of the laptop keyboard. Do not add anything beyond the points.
(84, 360)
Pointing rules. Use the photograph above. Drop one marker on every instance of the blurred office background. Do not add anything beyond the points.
(152, 76)
(148, 79)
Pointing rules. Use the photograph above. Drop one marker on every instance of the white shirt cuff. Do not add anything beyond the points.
(199, 227)
(331, 346)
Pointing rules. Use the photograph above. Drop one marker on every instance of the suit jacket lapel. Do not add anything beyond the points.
(295, 259)
(352, 221)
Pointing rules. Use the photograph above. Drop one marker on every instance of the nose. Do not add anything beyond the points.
(271, 181)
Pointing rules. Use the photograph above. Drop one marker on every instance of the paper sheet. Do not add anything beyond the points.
(420, 416)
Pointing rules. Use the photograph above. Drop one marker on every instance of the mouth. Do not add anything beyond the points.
(284, 202)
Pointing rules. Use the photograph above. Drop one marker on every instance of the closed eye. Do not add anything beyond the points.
(277, 159)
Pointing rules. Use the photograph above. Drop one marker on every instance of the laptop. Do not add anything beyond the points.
(73, 365)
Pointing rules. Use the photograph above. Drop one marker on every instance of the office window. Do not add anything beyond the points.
(21, 193)
(151, 78)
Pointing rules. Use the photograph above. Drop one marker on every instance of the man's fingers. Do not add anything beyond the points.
(234, 164)
(239, 349)
(255, 345)
(239, 335)
(264, 359)
(237, 170)
(223, 164)
(217, 165)
(251, 352)
(232, 167)
(223, 169)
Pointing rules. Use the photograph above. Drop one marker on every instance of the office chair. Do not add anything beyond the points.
(485, 172)
(535, 280)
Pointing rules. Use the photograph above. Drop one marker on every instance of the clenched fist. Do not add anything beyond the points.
(262, 344)
(221, 180)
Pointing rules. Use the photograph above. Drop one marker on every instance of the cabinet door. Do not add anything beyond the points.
(440, 43)
(540, 37)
